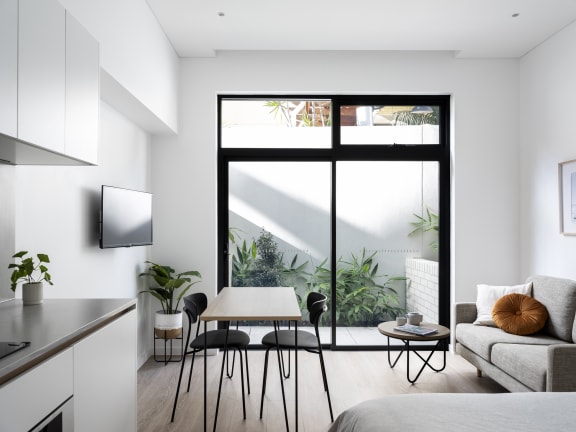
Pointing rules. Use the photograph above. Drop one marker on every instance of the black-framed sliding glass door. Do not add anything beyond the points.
(342, 195)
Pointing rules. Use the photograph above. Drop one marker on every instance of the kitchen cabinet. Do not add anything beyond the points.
(83, 351)
(42, 73)
(105, 378)
(33, 396)
(82, 92)
(50, 76)
(8, 66)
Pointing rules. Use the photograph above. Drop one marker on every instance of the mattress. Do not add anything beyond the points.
(462, 412)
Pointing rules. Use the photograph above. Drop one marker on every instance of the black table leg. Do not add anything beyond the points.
(280, 374)
(426, 361)
(392, 364)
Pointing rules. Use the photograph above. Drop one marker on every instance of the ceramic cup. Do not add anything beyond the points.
(414, 318)
(401, 320)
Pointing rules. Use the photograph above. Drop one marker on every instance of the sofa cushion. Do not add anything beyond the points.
(487, 295)
(526, 363)
(519, 314)
(481, 339)
(559, 297)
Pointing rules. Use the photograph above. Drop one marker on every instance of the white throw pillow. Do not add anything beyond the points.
(487, 296)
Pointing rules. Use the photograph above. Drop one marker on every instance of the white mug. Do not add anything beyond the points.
(414, 318)
(400, 320)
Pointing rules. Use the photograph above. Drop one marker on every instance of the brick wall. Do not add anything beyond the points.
(422, 288)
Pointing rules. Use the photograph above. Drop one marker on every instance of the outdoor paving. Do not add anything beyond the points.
(345, 336)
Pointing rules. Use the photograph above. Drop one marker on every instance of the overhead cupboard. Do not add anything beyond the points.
(50, 79)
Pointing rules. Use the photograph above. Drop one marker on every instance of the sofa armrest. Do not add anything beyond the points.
(465, 312)
(561, 375)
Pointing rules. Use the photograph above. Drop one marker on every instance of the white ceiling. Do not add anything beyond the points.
(470, 28)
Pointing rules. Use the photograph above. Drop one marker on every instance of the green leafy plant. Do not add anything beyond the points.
(362, 294)
(29, 271)
(171, 287)
(243, 263)
(427, 223)
(261, 264)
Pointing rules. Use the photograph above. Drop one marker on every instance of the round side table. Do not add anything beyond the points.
(440, 336)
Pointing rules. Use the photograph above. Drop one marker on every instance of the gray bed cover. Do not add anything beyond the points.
(462, 412)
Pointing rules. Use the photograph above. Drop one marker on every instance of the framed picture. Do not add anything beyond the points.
(567, 183)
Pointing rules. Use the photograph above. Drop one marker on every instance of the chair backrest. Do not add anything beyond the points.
(316, 304)
(194, 305)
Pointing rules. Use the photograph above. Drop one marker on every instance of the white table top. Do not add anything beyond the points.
(251, 303)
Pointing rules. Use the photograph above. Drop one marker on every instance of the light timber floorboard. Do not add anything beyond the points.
(353, 376)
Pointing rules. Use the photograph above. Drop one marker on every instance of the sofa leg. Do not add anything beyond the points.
(478, 373)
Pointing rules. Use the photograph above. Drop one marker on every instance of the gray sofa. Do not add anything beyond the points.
(545, 361)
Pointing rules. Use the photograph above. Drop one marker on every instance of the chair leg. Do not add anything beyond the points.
(178, 388)
(264, 381)
(284, 374)
(191, 367)
(247, 371)
(325, 382)
(229, 373)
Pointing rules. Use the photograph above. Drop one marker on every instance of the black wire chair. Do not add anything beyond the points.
(225, 339)
(316, 304)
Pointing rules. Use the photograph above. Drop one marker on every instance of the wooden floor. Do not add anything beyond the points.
(353, 377)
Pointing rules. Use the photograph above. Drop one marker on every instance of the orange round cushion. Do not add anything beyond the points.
(519, 314)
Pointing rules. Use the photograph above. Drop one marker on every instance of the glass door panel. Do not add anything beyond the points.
(379, 206)
(279, 229)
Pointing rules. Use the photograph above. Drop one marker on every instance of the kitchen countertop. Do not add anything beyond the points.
(51, 327)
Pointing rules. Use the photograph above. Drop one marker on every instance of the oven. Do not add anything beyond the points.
(59, 420)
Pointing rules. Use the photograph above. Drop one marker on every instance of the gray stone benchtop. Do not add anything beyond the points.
(51, 327)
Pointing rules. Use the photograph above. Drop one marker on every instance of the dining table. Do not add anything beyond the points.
(275, 304)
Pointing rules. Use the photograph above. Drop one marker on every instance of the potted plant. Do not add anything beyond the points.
(170, 290)
(32, 274)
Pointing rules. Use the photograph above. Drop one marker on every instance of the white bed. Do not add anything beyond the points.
(462, 412)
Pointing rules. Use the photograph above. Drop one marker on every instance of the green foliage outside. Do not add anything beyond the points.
(363, 295)
(261, 264)
(427, 223)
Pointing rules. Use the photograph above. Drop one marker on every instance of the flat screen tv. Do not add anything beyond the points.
(125, 218)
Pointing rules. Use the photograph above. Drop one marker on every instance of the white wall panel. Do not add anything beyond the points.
(547, 93)
(484, 147)
(136, 53)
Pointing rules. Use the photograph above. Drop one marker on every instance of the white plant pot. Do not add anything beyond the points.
(168, 326)
(32, 293)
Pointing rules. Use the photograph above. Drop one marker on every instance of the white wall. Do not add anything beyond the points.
(136, 53)
(485, 146)
(57, 212)
(548, 91)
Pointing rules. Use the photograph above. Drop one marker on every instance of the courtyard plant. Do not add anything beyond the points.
(364, 296)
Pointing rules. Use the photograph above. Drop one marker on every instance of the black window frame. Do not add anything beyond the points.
(345, 152)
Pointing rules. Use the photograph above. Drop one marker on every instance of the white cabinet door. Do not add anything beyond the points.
(34, 395)
(41, 74)
(105, 378)
(82, 92)
(8, 67)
